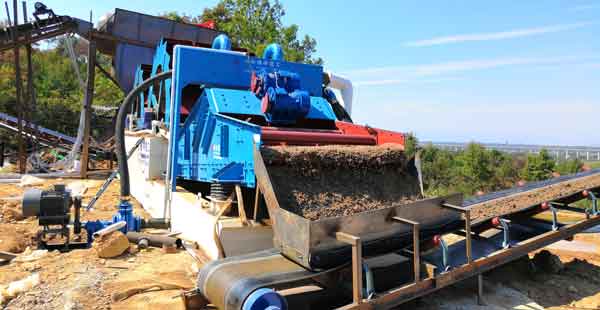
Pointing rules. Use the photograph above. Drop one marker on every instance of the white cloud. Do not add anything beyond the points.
(518, 33)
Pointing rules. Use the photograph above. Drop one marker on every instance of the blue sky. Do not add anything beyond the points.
(503, 71)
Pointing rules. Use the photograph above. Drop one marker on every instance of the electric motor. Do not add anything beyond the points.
(51, 207)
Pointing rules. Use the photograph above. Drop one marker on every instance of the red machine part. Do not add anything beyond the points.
(381, 136)
(210, 24)
(346, 133)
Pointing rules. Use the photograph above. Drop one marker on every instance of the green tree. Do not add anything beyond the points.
(474, 168)
(173, 15)
(59, 96)
(505, 170)
(539, 166)
(568, 166)
(253, 24)
(438, 174)
(411, 144)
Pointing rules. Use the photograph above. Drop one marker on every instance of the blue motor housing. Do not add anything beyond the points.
(283, 100)
(215, 142)
(125, 213)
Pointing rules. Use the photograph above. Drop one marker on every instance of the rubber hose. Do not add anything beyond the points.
(120, 128)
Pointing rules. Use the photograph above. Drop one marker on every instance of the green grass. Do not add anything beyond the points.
(594, 164)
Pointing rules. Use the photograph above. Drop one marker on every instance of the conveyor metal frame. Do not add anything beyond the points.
(471, 257)
(472, 267)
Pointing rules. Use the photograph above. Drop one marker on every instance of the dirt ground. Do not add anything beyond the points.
(81, 280)
(330, 181)
(525, 285)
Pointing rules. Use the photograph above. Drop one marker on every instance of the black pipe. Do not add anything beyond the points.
(156, 223)
(77, 217)
(1, 154)
(120, 129)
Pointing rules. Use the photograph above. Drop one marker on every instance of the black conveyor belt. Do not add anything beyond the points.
(529, 186)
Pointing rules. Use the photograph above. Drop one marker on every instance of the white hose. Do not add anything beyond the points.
(344, 86)
(108, 229)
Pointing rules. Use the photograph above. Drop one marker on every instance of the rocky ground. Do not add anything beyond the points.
(81, 280)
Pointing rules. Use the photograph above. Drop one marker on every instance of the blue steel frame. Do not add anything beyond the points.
(211, 145)
(162, 61)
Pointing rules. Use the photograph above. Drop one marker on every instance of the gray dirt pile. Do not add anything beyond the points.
(330, 181)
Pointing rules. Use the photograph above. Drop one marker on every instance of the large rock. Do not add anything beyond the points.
(111, 245)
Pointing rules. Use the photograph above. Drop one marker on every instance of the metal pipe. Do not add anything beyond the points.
(154, 240)
(554, 218)
(112, 176)
(156, 223)
(445, 258)
(108, 229)
(120, 129)
(506, 232)
(344, 85)
(594, 203)
(272, 136)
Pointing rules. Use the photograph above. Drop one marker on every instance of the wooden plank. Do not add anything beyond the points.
(89, 98)
(256, 202)
(240, 205)
(31, 102)
(19, 95)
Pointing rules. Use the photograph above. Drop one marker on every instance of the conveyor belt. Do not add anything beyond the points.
(228, 282)
(529, 186)
(46, 137)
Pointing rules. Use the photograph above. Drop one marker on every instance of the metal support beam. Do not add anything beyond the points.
(468, 237)
(89, 98)
(416, 228)
(107, 75)
(480, 299)
(357, 285)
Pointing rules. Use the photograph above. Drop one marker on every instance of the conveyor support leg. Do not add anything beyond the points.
(480, 299)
